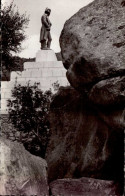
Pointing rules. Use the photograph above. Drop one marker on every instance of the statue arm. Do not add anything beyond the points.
(49, 22)
(44, 21)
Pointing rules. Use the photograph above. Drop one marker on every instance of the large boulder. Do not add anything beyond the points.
(20, 172)
(85, 140)
(83, 186)
(93, 48)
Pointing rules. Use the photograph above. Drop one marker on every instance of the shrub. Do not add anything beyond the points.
(28, 111)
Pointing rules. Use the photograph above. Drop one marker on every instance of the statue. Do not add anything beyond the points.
(45, 36)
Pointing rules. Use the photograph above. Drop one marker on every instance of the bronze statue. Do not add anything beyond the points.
(45, 36)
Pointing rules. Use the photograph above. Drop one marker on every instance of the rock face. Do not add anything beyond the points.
(87, 125)
(84, 141)
(93, 47)
(109, 92)
(21, 173)
(83, 186)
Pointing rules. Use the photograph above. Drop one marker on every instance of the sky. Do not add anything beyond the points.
(61, 10)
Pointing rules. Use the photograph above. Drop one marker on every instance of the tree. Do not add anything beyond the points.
(28, 111)
(13, 25)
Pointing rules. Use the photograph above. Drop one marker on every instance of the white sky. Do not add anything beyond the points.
(61, 10)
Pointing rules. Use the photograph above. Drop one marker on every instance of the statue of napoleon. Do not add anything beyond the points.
(45, 36)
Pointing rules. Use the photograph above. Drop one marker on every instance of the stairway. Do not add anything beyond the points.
(46, 70)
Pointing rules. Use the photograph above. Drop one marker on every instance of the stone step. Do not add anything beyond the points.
(4, 107)
(45, 83)
(6, 85)
(15, 74)
(6, 89)
(38, 74)
(55, 72)
(45, 55)
(51, 64)
(46, 71)
(6, 95)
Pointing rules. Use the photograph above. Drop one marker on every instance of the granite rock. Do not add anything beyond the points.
(21, 173)
(85, 140)
(93, 45)
(83, 186)
(109, 92)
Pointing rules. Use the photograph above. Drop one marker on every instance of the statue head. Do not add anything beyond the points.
(47, 11)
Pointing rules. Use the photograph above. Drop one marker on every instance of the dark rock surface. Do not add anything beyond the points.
(109, 92)
(83, 187)
(87, 125)
(84, 140)
(20, 172)
(93, 47)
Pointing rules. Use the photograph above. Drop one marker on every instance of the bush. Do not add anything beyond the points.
(28, 111)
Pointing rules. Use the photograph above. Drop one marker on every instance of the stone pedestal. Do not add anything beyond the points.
(45, 55)
(46, 70)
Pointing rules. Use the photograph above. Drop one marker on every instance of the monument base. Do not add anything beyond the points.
(46, 70)
(45, 55)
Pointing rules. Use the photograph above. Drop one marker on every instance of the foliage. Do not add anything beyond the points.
(19, 66)
(56, 86)
(28, 111)
(13, 25)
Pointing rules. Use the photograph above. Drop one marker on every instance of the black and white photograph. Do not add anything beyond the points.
(62, 98)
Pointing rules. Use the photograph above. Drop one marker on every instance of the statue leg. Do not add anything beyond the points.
(49, 41)
(43, 44)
